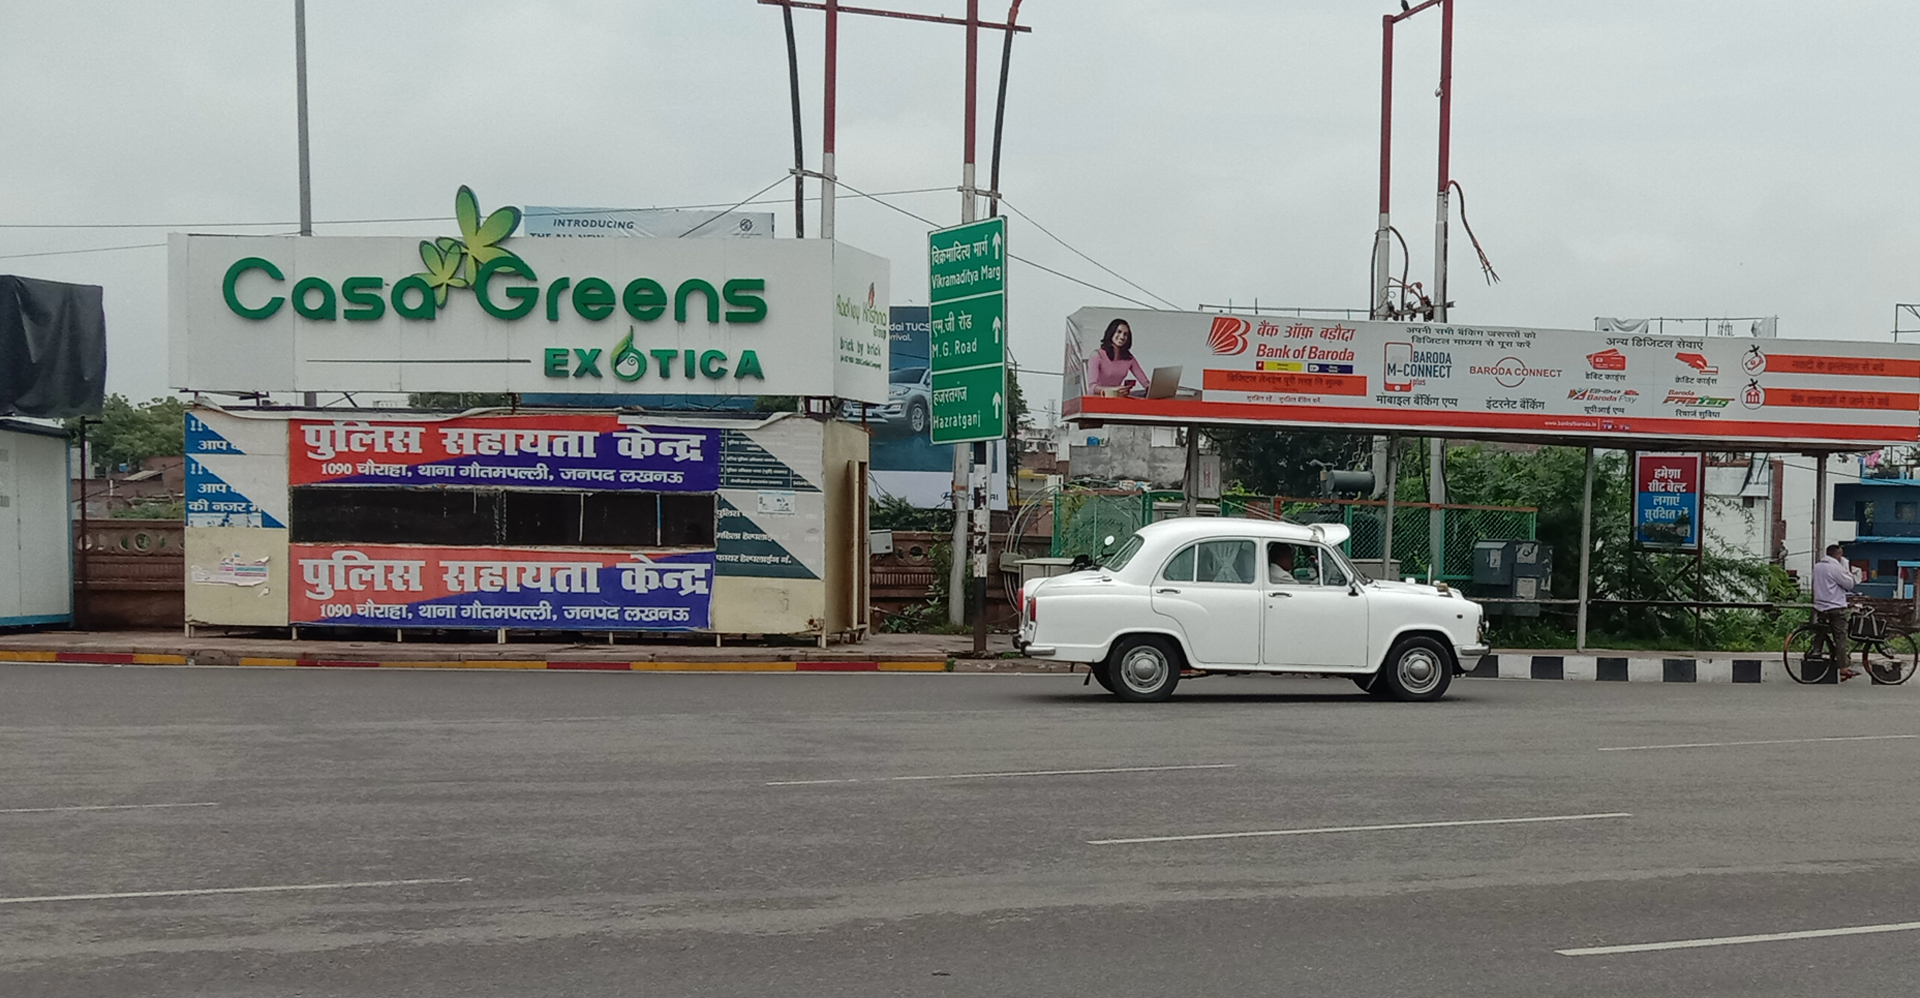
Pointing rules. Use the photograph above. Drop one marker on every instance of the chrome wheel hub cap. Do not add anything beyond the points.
(1419, 671)
(1144, 670)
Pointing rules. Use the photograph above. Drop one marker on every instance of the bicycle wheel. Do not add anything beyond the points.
(1808, 655)
(1892, 661)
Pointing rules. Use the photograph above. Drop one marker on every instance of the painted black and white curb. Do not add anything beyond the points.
(1750, 668)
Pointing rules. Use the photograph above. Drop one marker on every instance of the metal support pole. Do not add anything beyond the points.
(1446, 178)
(831, 72)
(1819, 516)
(963, 474)
(83, 605)
(1190, 484)
(1586, 553)
(300, 97)
(309, 399)
(978, 550)
(799, 157)
(968, 206)
(1393, 482)
(1436, 517)
(1377, 308)
(957, 572)
(1000, 111)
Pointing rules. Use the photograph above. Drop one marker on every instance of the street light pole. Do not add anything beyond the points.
(310, 399)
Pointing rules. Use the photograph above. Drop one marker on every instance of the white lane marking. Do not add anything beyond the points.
(1770, 937)
(270, 889)
(103, 807)
(1360, 828)
(986, 776)
(1764, 741)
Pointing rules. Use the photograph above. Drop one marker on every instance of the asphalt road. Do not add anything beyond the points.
(435, 833)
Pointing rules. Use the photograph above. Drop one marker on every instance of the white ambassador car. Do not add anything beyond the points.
(1209, 596)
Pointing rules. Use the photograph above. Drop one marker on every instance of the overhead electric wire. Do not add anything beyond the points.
(1016, 210)
(928, 221)
(736, 204)
(93, 249)
(421, 218)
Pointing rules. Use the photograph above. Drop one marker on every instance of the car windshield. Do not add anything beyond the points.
(908, 375)
(1118, 560)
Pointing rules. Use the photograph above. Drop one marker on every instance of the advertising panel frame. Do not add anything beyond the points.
(1500, 383)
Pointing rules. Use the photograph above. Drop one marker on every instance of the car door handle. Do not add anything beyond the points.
(1174, 591)
(1279, 595)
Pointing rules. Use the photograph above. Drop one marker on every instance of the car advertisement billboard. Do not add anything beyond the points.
(1666, 501)
(1137, 365)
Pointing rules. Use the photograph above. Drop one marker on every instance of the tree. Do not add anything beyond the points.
(1285, 462)
(125, 433)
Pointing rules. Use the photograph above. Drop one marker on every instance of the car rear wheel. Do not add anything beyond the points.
(1417, 668)
(1102, 675)
(1144, 668)
(916, 419)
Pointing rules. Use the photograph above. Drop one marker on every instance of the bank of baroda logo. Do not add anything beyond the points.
(1228, 337)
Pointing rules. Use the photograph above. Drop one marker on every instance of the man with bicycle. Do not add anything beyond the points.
(1832, 581)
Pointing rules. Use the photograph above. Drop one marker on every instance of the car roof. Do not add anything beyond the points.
(1201, 527)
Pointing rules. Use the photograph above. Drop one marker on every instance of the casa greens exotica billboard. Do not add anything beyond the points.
(481, 313)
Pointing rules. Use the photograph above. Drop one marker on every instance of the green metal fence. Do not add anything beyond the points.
(1082, 520)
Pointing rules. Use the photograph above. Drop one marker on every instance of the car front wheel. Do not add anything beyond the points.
(1144, 669)
(1416, 669)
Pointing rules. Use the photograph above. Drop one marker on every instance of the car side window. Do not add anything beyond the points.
(1224, 561)
(1180, 567)
(1291, 564)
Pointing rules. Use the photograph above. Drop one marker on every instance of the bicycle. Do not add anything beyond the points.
(1889, 655)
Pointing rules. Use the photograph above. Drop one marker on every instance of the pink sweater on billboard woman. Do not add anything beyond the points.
(1104, 372)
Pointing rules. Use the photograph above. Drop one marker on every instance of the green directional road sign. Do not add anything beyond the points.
(967, 274)
(969, 332)
(970, 404)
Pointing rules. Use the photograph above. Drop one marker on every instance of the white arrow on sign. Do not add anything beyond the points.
(996, 329)
(996, 405)
(996, 245)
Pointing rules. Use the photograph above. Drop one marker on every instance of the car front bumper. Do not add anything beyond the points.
(1466, 657)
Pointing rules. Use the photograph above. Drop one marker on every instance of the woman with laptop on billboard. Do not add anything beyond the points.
(1112, 370)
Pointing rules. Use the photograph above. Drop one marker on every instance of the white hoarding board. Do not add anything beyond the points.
(663, 223)
(1131, 365)
(648, 316)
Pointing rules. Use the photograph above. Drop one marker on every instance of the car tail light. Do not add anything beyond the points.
(1033, 610)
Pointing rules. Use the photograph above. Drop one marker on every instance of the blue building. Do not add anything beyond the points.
(1886, 517)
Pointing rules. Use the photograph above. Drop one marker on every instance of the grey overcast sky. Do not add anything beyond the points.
(1626, 158)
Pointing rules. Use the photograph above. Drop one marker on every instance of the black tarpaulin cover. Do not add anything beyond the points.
(53, 348)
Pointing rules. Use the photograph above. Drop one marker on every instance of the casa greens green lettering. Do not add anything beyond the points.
(506, 287)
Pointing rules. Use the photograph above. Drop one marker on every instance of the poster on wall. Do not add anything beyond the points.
(1136, 365)
(586, 451)
(904, 461)
(1666, 501)
(372, 585)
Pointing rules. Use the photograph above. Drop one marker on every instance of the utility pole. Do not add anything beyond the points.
(968, 489)
(832, 74)
(309, 399)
